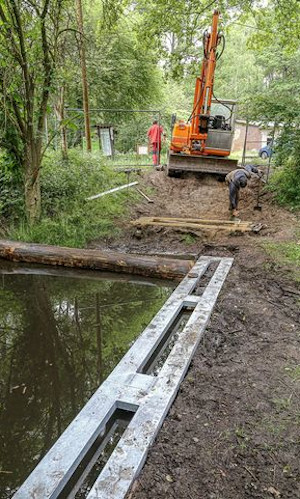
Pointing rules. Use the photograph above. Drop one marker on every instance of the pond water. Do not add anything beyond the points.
(61, 334)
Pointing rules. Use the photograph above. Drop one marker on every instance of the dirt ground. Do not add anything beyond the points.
(198, 197)
(234, 429)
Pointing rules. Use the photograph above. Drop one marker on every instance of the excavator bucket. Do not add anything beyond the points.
(179, 162)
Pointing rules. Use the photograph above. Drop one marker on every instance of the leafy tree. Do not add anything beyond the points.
(29, 38)
(175, 28)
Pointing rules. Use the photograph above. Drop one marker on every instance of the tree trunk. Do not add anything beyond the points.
(150, 266)
(85, 91)
(60, 112)
(32, 163)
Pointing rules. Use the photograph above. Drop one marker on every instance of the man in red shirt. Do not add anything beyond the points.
(154, 136)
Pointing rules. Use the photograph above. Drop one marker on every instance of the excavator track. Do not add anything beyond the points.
(178, 163)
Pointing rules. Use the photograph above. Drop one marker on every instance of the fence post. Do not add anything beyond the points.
(270, 157)
(245, 143)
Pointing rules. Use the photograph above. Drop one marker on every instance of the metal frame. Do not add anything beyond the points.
(126, 388)
(110, 110)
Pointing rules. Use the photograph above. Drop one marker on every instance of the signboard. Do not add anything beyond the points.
(106, 141)
(142, 150)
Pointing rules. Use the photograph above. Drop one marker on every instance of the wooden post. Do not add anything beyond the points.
(85, 92)
(245, 143)
(270, 157)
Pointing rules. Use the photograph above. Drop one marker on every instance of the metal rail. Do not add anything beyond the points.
(148, 397)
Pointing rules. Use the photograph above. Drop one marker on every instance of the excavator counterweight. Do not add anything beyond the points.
(203, 144)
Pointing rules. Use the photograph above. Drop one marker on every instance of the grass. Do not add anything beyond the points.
(293, 372)
(188, 239)
(287, 253)
(68, 219)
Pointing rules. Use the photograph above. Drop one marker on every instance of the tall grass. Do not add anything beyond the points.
(68, 219)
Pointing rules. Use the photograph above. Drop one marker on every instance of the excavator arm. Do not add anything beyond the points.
(204, 84)
(204, 136)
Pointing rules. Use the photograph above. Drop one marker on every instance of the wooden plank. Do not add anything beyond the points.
(144, 195)
(241, 228)
(196, 220)
(193, 223)
(115, 189)
(150, 266)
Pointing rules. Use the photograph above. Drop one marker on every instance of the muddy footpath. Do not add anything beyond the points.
(233, 431)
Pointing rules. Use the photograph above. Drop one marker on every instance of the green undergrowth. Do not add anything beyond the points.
(285, 181)
(68, 219)
(287, 254)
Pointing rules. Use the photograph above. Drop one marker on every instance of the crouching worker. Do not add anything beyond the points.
(236, 179)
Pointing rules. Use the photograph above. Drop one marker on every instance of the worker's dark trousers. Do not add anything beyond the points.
(233, 196)
(155, 153)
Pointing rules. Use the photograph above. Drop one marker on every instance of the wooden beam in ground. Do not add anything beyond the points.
(144, 195)
(149, 266)
(195, 223)
(115, 189)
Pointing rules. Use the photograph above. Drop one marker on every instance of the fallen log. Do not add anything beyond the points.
(149, 266)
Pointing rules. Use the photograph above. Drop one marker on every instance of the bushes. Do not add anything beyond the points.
(286, 179)
(67, 218)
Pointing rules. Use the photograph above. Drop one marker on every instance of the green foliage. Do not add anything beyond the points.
(11, 195)
(29, 38)
(188, 239)
(275, 46)
(122, 72)
(286, 179)
(175, 29)
(287, 254)
(139, 55)
(67, 218)
(242, 78)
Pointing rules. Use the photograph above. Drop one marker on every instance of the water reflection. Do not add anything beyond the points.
(59, 338)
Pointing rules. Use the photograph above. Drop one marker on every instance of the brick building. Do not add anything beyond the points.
(257, 137)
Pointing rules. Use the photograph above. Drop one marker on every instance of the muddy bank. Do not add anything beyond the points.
(233, 431)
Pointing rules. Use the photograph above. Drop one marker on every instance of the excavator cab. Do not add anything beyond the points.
(221, 127)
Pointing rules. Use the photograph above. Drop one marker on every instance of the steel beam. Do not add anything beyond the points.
(127, 388)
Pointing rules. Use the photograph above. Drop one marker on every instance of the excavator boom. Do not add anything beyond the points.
(204, 142)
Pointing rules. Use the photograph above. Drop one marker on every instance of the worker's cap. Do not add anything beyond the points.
(243, 182)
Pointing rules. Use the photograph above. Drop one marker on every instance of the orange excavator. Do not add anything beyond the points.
(203, 143)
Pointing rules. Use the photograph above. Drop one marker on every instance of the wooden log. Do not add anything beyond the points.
(149, 266)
